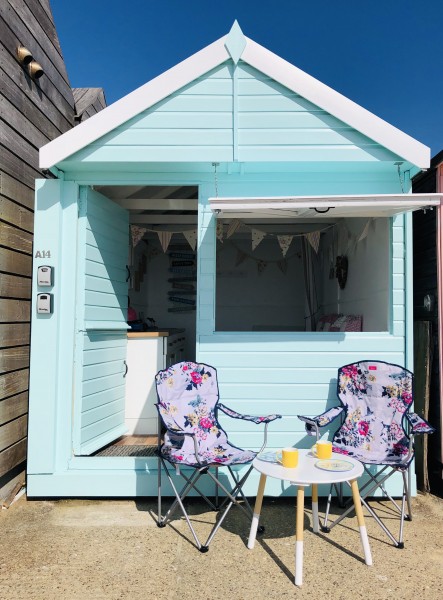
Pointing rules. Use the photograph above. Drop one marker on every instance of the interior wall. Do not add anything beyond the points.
(366, 291)
(151, 301)
(252, 298)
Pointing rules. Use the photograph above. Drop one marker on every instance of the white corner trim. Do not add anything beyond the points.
(336, 104)
(134, 103)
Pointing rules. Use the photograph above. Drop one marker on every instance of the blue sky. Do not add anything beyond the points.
(386, 55)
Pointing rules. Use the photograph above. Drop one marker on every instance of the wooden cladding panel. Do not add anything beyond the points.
(18, 144)
(31, 35)
(15, 238)
(15, 262)
(12, 456)
(13, 383)
(27, 129)
(15, 190)
(36, 108)
(12, 359)
(12, 286)
(16, 214)
(13, 407)
(17, 335)
(17, 168)
(14, 310)
(13, 431)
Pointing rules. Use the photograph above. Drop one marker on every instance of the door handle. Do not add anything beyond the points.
(126, 369)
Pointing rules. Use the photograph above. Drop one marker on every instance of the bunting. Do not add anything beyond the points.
(314, 239)
(136, 234)
(261, 265)
(165, 238)
(257, 237)
(191, 238)
(219, 231)
(284, 242)
(232, 227)
(241, 256)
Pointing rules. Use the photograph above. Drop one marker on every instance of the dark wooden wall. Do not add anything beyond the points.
(32, 113)
(426, 330)
(88, 102)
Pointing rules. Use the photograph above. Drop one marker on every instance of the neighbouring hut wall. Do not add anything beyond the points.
(88, 102)
(427, 331)
(33, 113)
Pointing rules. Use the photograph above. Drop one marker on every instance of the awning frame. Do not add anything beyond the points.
(322, 206)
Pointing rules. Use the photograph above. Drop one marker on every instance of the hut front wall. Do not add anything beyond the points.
(259, 372)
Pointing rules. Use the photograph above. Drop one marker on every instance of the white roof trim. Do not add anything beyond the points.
(376, 205)
(258, 57)
(336, 104)
(133, 104)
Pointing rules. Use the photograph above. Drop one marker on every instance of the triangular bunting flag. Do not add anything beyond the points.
(282, 265)
(365, 231)
(136, 234)
(285, 242)
(232, 228)
(314, 239)
(219, 231)
(240, 258)
(191, 237)
(165, 238)
(261, 265)
(257, 237)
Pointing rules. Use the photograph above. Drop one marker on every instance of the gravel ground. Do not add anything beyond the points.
(112, 549)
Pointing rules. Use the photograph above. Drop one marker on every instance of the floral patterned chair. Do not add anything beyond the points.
(377, 429)
(188, 404)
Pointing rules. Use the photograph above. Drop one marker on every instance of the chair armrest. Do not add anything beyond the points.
(236, 415)
(313, 423)
(418, 424)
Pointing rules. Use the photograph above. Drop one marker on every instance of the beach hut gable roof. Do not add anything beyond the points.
(237, 48)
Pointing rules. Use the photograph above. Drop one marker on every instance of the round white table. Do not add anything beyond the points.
(305, 474)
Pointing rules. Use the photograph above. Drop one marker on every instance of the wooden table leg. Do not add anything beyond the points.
(315, 508)
(257, 510)
(299, 536)
(361, 522)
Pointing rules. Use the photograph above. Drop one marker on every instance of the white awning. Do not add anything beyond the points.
(322, 207)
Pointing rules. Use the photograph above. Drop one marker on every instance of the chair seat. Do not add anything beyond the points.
(223, 454)
(400, 461)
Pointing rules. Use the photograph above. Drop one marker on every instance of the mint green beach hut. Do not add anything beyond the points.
(258, 221)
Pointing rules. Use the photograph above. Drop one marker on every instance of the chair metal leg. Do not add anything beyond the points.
(375, 484)
(408, 495)
(190, 483)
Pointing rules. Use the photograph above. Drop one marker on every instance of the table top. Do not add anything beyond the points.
(306, 473)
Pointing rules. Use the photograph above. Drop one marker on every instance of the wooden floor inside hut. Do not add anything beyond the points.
(130, 445)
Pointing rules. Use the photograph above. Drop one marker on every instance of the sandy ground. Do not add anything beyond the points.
(97, 549)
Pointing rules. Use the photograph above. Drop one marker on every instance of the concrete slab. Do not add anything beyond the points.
(112, 549)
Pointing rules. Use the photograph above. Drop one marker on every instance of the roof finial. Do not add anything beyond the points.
(235, 42)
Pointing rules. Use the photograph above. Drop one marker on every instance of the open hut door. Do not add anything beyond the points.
(101, 328)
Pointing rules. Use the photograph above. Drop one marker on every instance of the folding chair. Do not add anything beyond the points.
(188, 404)
(377, 429)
